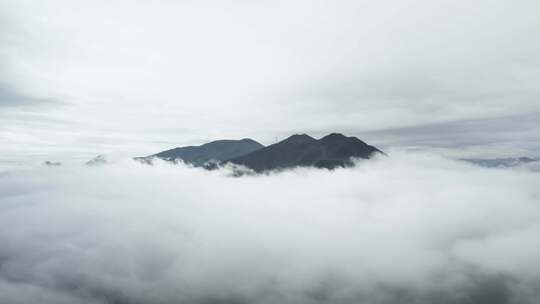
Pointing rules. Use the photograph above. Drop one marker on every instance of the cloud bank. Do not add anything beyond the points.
(405, 229)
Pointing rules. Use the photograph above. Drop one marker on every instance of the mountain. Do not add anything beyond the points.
(218, 150)
(500, 162)
(331, 151)
(97, 161)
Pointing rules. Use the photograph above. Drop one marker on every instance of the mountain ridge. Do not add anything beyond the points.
(299, 150)
(218, 150)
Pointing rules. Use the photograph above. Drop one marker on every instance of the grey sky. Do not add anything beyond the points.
(10, 98)
(134, 77)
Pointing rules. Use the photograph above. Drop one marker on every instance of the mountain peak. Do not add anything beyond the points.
(338, 138)
(298, 138)
(335, 136)
(249, 140)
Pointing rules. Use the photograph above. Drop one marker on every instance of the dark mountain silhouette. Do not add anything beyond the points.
(331, 151)
(218, 150)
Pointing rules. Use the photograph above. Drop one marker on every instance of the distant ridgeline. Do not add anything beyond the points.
(332, 151)
(507, 162)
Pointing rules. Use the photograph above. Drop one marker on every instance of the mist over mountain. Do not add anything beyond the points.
(332, 151)
(218, 150)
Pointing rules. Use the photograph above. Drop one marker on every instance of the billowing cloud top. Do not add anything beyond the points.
(406, 229)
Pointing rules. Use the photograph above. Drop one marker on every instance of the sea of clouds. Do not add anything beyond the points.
(402, 229)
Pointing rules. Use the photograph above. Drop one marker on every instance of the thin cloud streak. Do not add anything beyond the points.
(513, 135)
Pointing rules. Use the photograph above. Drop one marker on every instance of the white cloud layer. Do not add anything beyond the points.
(405, 229)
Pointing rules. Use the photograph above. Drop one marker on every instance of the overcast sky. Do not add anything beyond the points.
(79, 78)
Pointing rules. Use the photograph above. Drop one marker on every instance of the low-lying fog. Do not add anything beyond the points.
(405, 229)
